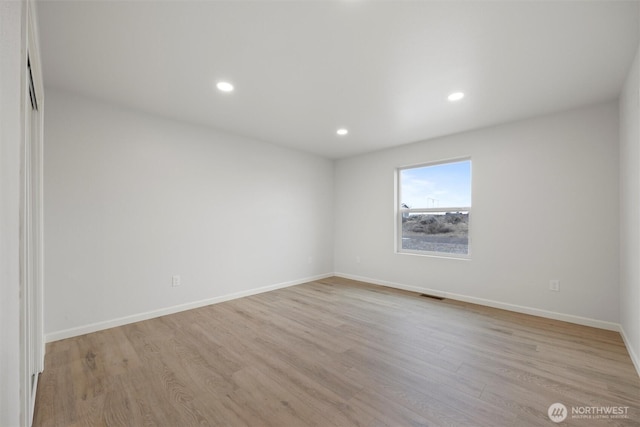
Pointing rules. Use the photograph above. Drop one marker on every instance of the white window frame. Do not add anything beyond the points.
(400, 211)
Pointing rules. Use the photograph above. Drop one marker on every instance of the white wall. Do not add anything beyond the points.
(132, 199)
(630, 212)
(11, 44)
(545, 205)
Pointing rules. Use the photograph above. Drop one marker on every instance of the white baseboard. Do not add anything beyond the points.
(98, 326)
(632, 353)
(585, 321)
(611, 326)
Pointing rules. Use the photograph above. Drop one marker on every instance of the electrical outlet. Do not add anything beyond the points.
(175, 281)
(554, 285)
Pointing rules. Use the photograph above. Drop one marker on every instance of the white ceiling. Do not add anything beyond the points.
(303, 69)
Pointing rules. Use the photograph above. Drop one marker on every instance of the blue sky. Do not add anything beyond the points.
(445, 185)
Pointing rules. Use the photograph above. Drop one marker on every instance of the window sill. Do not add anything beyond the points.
(461, 257)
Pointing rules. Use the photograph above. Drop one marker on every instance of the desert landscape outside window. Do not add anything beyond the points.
(434, 208)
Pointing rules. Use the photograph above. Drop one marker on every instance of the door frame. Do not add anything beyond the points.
(32, 348)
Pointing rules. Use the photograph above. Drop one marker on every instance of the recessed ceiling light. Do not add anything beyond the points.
(342, 131)
(224, 86)
(455, 96)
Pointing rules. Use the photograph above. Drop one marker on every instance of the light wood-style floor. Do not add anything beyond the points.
(336, 353)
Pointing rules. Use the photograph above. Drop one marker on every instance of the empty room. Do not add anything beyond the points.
(319, 213)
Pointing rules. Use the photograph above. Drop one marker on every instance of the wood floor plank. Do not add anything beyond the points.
(336, 352)
(260, 394)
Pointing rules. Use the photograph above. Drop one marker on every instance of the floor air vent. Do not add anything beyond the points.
(432, 297)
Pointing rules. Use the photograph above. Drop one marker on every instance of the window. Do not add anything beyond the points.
(434, 205)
